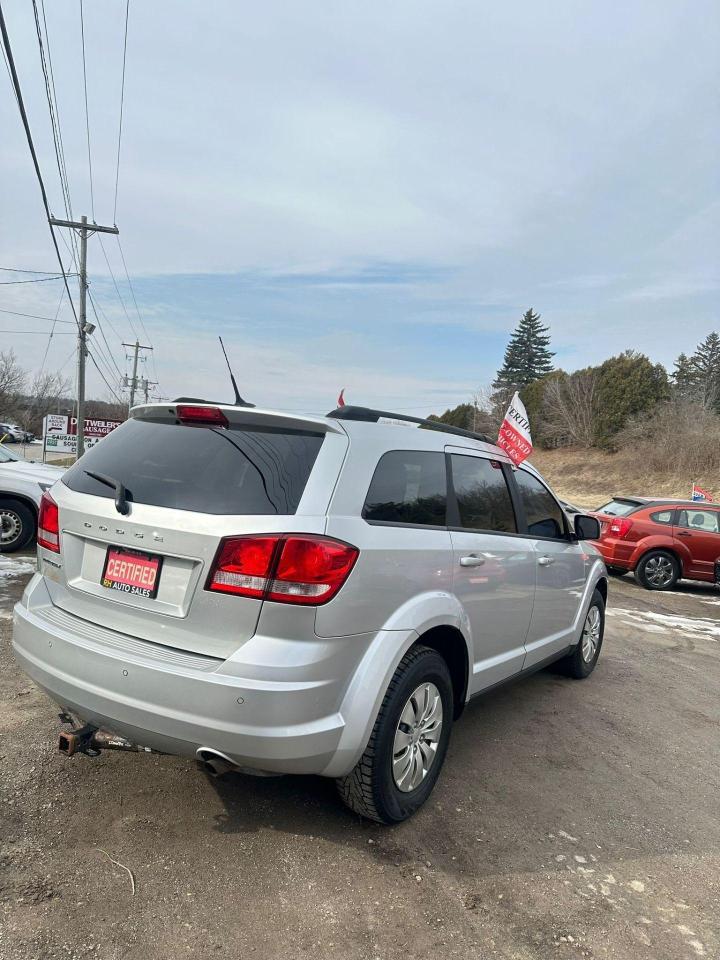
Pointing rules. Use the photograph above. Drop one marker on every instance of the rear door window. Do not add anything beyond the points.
(408, 486)
(543, 513)
(240, 470)
(482, 494)
(704, 521)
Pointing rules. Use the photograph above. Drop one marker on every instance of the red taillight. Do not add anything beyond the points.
(287, 568)
(620, 527)
(48, 534)
(202, 416)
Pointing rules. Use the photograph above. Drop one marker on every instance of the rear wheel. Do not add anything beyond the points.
(17, 525)
(403, 759)
(580, 663)
(658, 570)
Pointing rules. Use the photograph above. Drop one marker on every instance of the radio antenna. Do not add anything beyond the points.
(239, 402)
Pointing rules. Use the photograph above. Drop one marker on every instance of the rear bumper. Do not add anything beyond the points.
(616, 553)
(176, 702)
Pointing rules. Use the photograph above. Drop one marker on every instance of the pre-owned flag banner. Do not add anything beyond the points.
(514, 436)
(701, 495)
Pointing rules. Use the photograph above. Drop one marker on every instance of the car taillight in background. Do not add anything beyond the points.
(620, 527)
(288, 568)
(48, 534)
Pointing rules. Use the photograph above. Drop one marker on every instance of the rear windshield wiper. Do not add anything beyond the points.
(121, 504)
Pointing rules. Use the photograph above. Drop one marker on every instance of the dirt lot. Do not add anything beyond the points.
(572, 820)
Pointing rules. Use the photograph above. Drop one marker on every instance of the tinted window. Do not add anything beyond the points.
(542, 511)
(704, 521)
(482, 494)
(663, 516)
(408, 487)
(204, 469)
(618, 508)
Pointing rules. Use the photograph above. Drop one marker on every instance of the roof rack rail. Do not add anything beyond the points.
(369, 415)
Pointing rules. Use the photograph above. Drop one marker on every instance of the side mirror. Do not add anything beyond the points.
(587, 528)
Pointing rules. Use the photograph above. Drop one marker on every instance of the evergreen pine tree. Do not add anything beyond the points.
(527, 357)
(706, 371)
(683, 376)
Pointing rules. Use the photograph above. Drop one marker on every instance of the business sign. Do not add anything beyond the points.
(60, 432)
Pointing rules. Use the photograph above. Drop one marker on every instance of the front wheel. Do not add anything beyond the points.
(402, 761)
(17, 525)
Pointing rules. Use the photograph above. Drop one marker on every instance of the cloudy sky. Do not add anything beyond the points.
(370, 194)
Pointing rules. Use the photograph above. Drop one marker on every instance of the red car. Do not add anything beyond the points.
(660, 540)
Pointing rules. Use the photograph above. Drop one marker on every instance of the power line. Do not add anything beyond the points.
(43, 333)
(51, 335)
(32, 316)
(31, 145)
(102, 333)
(132, 289)
(45, 273)
(97, 306)
(103, 377)
(122, 101)
(117, 289)
(9, 283)
(87, 115)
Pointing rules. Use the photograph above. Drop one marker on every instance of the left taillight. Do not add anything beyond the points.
(48, 534)
(288, 568)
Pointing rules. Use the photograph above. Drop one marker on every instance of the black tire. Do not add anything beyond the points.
(577, 664)
(17, 523)
(649, 571)
(370, 788)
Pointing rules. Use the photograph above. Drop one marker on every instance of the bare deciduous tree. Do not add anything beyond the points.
(12, 382)
(570, 408)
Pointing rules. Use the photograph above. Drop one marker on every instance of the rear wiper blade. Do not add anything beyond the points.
(121, 504)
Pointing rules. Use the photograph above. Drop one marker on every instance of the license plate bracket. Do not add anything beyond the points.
(132, 572)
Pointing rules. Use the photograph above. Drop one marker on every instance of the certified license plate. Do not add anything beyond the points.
(130, 571)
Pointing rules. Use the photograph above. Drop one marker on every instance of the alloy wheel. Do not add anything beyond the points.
(659, 571)
(591, 634)
(417, 737)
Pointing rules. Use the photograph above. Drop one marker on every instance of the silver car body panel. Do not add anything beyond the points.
(276, 686)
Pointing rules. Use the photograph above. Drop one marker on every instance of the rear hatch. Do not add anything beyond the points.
(143, 573)
(617, 507)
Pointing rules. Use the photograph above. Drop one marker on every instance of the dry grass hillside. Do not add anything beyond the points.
(587, 477)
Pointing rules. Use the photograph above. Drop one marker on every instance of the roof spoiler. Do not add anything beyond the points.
(368, 415)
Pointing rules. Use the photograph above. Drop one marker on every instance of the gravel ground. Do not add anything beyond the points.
(573, 819)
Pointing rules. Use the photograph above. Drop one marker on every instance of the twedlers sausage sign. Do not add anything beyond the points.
(60, 432)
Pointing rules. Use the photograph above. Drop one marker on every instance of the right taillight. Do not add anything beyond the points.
(620, 527)
(287, 568)
(48, 534)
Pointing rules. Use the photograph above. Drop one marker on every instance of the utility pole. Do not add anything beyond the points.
(145, 385)
(132, 382)
(84, 327)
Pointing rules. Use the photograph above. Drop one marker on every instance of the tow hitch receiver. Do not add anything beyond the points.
(87, 739)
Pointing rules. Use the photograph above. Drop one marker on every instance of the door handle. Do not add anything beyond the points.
(683, 533)
(545, 561)
(472, 561)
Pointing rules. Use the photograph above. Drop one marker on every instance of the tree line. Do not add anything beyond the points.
(625, 402)
(26, 399)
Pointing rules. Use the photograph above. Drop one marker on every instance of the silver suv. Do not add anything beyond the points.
(292, 594)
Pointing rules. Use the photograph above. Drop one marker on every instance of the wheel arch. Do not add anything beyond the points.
(662, 548)
(22, 498)
(449, 642)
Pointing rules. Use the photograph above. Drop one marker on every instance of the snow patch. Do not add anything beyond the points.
(664, 622)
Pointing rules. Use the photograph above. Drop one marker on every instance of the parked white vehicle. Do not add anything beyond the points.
(22, 484)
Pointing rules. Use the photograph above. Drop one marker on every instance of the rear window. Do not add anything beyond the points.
(241, 470)
(408, 487)
(618, 508)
